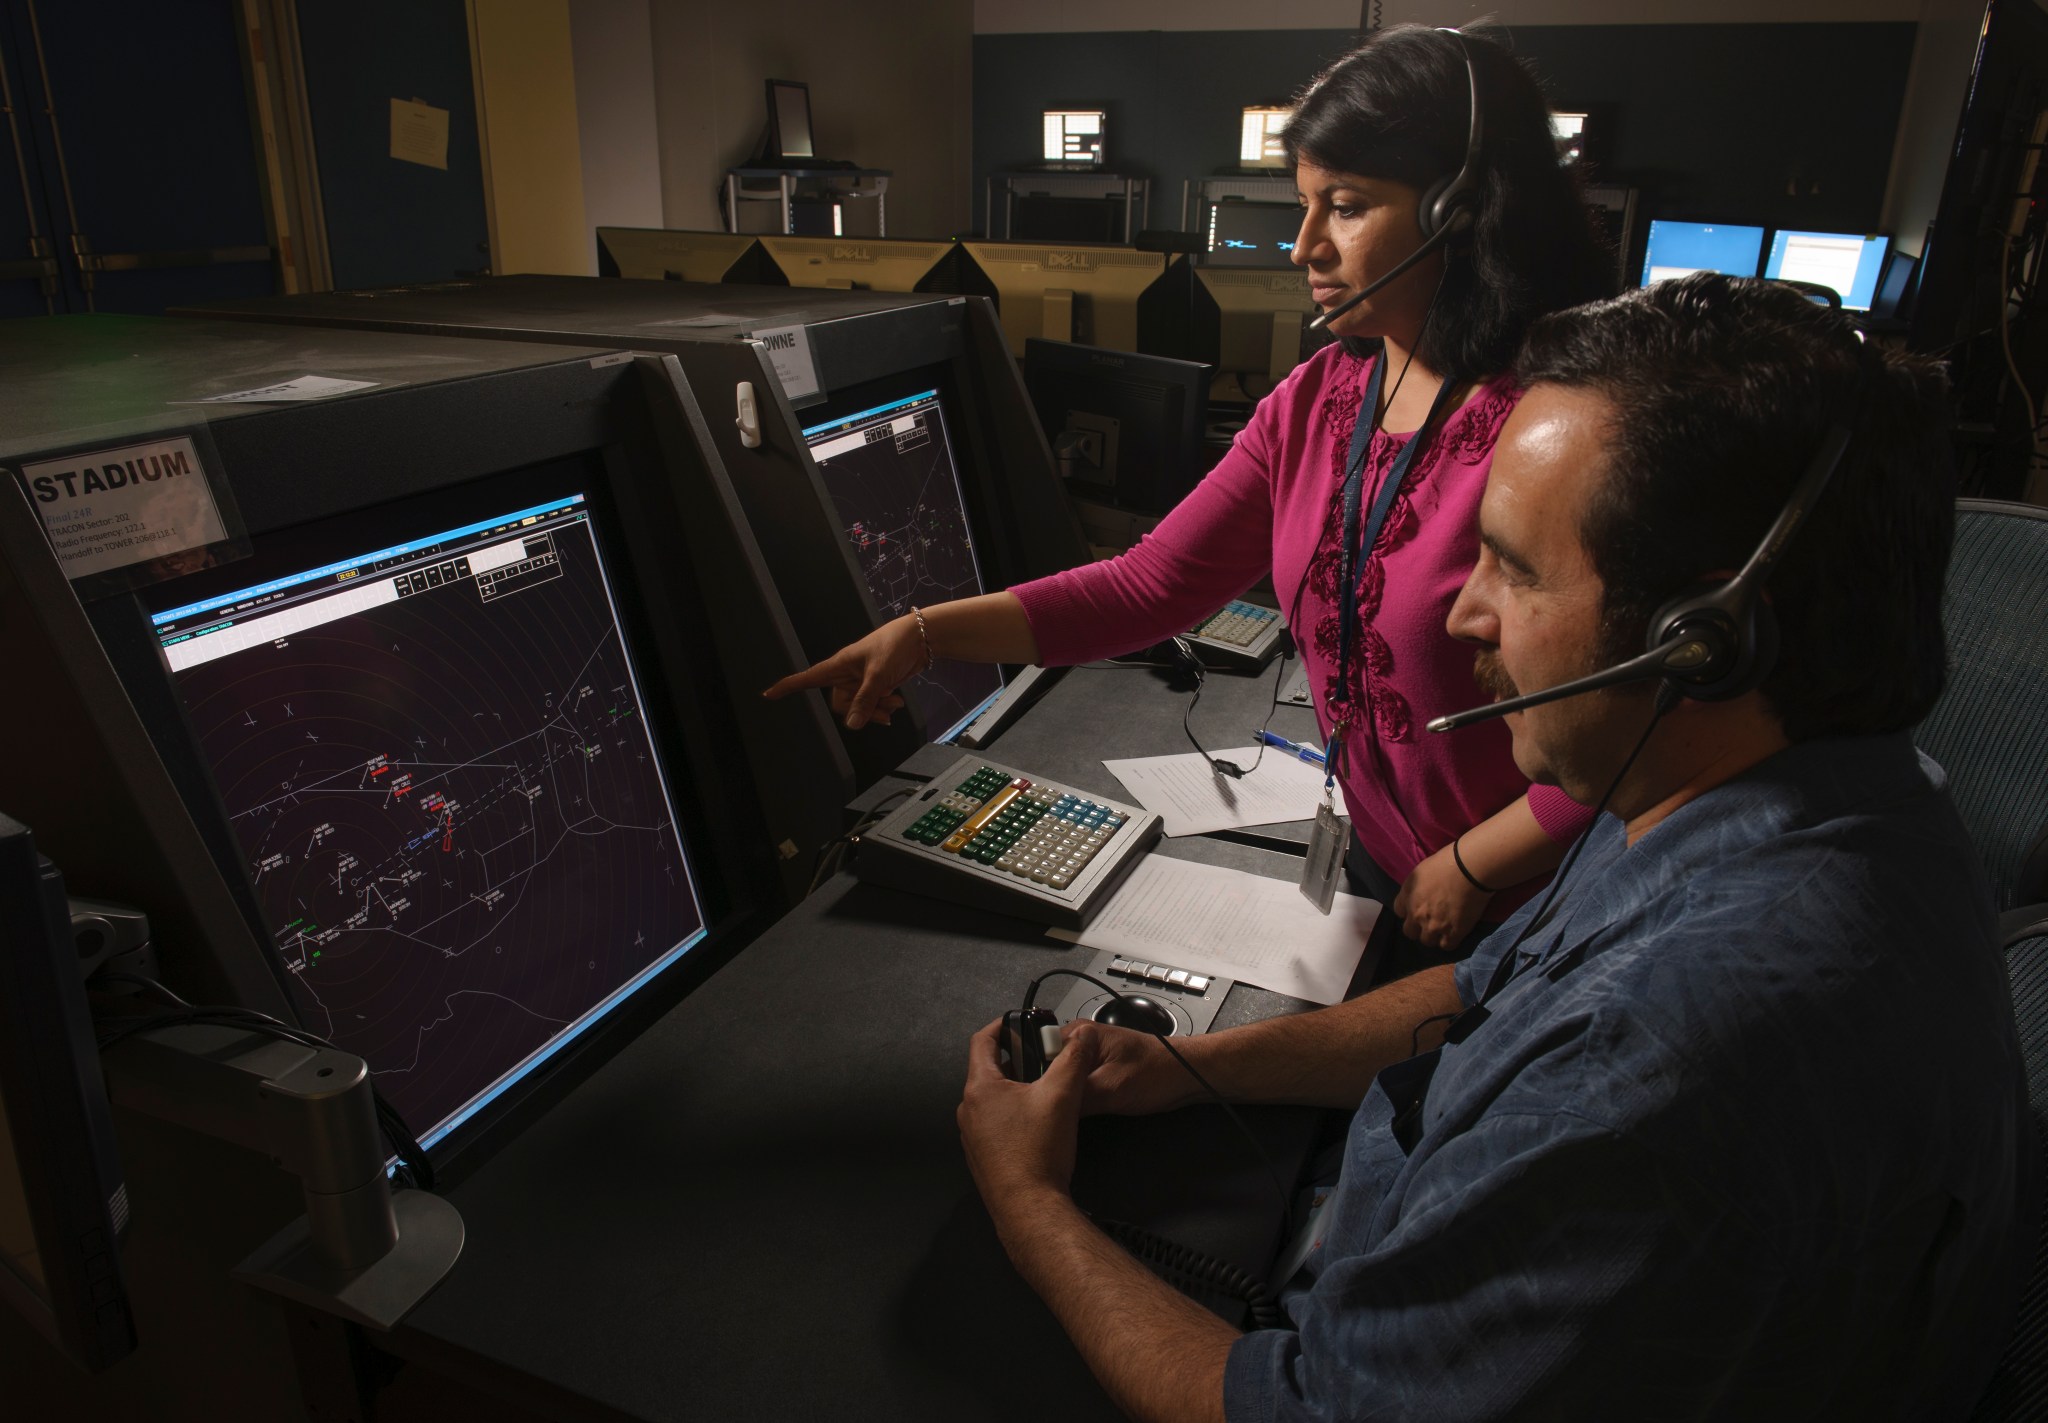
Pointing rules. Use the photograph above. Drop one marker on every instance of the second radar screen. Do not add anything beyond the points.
(435, 760)
(890, 472)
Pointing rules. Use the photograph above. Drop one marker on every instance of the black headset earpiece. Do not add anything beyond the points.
(1451, 205)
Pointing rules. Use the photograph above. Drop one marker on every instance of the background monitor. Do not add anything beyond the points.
(63, 1202)
(882, 264)
(1569, 129)
(1845, 262)
(1259, 143)
(1126, 430)
(1073, 137)
(657, 254)
(1249, 324)
(1087, 295)
(885, 453)
(1249, 234)
(1678, 249)
(789, 119)
(1893, 300)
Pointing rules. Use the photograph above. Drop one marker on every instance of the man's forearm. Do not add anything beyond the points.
(1327, 1058)
(1157, 1353)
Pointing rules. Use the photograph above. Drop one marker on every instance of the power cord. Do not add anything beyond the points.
(834, 854)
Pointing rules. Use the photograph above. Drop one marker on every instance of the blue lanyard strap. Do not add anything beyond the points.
(1358, 542)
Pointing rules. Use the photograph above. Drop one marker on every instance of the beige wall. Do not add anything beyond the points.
(891, 87)
(526, 113)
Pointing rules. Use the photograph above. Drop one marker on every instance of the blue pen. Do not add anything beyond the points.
(1293, 748)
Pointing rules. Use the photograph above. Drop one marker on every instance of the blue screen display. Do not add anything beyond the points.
(1677, 249)
(1848, 262)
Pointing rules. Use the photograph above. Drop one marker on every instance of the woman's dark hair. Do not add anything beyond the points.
(1719, 390)
(1399, 107)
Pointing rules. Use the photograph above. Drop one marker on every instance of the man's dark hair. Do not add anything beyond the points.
(1721, 390)
(1398, 107)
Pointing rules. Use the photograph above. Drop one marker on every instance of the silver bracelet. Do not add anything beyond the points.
(931, 658)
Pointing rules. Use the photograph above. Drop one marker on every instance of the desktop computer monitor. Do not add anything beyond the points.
(882, 264)
(1088, 295)
(1249, 323)
(1569, 131)
(885, 452)
(431, 738)
(1845, 262)
(1126, 430)
(1893, 300)
(1259, 133)
(1678, 249)
(789, 119)
(1073, 137)
(658, 254)
(1248, 234)
(444, 757)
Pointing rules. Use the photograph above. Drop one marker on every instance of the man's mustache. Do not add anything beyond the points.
(1492, 677)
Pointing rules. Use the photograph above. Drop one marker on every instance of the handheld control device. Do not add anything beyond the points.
(992, 837)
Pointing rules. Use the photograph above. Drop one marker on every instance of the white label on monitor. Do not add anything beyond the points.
(110, 508)
(789, 351)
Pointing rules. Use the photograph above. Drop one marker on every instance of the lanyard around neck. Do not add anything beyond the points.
(1359, 541)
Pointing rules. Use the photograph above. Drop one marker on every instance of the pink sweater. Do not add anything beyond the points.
(1275, 504)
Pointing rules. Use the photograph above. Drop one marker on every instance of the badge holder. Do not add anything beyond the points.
(1327, 843)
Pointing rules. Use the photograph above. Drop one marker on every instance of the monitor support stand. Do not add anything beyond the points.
(360, 1252)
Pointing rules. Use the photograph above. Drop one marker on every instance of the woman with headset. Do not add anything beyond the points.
(1437, 223)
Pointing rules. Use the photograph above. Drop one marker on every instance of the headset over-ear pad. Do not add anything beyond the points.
(1448, 203)
(1744, 644)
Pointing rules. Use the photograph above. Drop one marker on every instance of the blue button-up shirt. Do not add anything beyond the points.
(1740, 1133)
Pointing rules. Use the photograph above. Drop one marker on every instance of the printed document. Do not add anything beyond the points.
(1231, 924)
(1194, 800)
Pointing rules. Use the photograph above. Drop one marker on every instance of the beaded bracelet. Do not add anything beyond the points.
(931, 658)
(1459, 859)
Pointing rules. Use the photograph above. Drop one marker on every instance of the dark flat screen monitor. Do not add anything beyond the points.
(429, 741)
(1678, 249)
(789, 119)
(1893, 300)
(1252, 234)
(885, 452)
(1845, 262)
(63, 1203)
(1124, 429)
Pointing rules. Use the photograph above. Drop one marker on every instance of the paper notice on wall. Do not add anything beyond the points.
(110, 508)
(789, 351)
(298, 388)
(419, 133)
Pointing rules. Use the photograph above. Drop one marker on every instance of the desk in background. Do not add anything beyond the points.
(783, 186)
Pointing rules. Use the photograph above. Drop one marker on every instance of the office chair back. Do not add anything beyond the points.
(1989, 731)
(2019, 1390)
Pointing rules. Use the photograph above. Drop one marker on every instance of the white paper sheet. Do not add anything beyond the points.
(301, 388)
(1231, 924)
(1194, 800)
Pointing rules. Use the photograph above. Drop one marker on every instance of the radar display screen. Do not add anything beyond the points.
(434, 757)
(889, 469)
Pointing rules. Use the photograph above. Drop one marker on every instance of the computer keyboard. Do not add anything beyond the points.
(1239, 636)
(995, 838)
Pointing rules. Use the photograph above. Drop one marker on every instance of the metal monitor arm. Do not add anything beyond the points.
(360, 1252)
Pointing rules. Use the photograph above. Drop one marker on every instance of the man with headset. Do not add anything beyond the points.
(1731, 1124)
